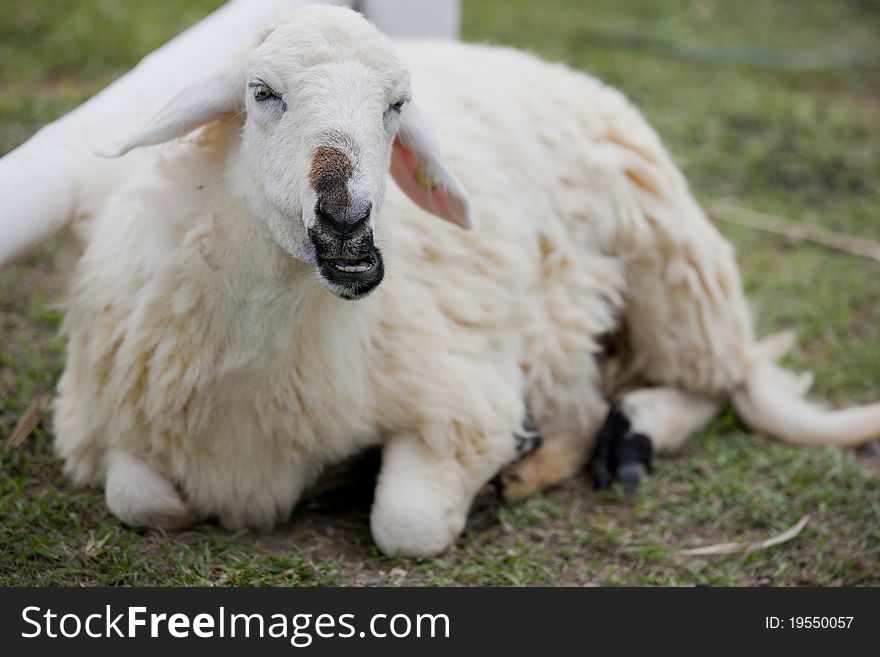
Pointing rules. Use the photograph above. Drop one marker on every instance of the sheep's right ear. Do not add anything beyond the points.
(197, 105)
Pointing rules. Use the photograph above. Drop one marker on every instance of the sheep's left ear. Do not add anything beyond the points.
(197, 105)
(419, 170)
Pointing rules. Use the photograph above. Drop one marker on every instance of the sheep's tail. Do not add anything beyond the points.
(771, 399)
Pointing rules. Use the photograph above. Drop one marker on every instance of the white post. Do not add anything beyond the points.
(436, 19)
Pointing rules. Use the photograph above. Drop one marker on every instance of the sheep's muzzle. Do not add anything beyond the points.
(350, 267)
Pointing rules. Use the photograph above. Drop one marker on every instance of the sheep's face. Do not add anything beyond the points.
(323, 109)
(327, 109)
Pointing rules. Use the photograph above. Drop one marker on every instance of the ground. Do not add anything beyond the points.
(767, 105)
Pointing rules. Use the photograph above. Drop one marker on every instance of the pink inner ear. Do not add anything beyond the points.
(404, 167)
(441, 202)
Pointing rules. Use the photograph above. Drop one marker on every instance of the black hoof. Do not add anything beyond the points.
(630, 475)
(620, 454)
(485, 510)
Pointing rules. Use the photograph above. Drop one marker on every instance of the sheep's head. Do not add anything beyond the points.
(327, 111)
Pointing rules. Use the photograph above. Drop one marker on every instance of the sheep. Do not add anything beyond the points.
(232, 330)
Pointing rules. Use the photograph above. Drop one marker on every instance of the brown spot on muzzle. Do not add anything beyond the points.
(331, 169)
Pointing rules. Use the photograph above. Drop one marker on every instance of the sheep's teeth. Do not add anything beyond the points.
(352, 269)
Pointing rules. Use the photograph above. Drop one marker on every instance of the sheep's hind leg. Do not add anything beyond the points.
(641, 423)
(424, 494)
(141, 497)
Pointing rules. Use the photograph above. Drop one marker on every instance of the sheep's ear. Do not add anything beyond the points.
(195, 106)
(419, 170)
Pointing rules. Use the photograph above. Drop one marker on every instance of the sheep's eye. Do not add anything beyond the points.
(262, 93)
(396, 107)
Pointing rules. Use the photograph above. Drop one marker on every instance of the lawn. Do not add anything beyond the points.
(770, 105)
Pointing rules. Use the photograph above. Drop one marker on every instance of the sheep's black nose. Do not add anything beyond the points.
(344, 223)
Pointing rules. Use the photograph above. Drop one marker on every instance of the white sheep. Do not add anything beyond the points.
(232, 331)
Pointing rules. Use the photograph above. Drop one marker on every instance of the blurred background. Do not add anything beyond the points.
(767, 105)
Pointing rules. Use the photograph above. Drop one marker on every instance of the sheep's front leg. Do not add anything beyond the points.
(423, 494)
(641, 423)
(140, 496)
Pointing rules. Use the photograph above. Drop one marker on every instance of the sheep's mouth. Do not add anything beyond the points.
(351, 265)
(352, 277)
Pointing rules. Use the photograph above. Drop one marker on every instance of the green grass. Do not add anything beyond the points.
(805, 145)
